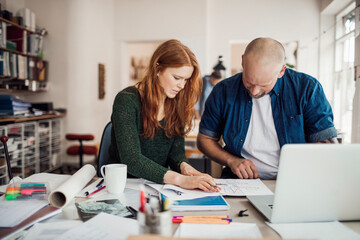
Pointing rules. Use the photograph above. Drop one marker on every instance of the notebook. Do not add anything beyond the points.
(316, 182)
(201, 204)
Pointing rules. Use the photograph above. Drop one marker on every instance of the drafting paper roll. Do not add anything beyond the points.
(67, 191)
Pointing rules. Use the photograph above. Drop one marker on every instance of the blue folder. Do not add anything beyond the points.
(201, 204)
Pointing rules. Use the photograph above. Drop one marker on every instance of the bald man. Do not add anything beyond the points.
(261, 109)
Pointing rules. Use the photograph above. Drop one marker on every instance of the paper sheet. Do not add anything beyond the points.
(177, 193)
(134, 183)
(242, 187)
(14, 212)
(317, 230)
(219, 231)
(49, 231)
(67, 191)
(103, 226)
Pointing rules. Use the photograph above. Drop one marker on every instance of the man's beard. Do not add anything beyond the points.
(257, 96)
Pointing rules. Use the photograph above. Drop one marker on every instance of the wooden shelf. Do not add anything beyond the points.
(19, 26)
(13, 119)
(21, 91)
(18, 52)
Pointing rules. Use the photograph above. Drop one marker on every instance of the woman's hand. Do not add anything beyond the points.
(204, 181)
(188, 170)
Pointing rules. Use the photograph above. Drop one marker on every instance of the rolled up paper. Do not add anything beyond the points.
(67, 191)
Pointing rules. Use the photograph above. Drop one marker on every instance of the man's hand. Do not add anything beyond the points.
(243, 168)
(331, 140)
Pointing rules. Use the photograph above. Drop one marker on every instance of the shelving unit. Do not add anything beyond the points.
(21, 69)
(49, 144)
(34, 146)
(3, 170)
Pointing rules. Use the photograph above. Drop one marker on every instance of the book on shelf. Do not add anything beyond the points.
(10, 45)
(13, 106)
(31, 68)
(2, 62)
(3, 34)
(29, 18)
(13, 64)
(18, 36)
(22, 67)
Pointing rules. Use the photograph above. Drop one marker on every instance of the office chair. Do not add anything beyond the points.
(4, 140)
(81, 149)
(104, 148)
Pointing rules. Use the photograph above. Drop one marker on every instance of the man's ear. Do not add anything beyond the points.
(282, 71)
(242, 62)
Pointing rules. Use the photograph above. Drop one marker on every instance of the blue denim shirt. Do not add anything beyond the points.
(300, 109)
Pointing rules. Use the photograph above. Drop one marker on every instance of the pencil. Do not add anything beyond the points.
(205, 220)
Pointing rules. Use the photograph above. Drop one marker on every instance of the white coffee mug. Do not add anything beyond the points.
(115, 177)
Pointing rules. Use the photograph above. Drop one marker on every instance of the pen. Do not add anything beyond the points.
(98, 190)
(142, 199)
(178, 192)
(101, 182)
(92, 190)
(154, 205)
(132, 210)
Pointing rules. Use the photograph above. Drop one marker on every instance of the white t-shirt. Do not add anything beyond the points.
(261, 143)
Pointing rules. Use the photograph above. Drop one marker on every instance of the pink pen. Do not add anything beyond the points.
(96, 191)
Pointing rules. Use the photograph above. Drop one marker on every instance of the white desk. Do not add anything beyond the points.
(236, 203)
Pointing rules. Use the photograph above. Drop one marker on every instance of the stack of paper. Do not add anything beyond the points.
(14, 212)
(103, 226)
(242, 187)
(218, 231)
(315, 230)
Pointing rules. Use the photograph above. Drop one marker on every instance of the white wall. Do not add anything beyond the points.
(284, 20)
(83, 33)
(159, 20)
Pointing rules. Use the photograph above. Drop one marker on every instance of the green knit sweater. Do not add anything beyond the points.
(145, 158)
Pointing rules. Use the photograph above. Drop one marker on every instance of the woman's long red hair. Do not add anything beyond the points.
(179, 111)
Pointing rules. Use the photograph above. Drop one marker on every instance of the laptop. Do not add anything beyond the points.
(315, 183)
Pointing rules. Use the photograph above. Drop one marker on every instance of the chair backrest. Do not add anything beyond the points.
(104, 147)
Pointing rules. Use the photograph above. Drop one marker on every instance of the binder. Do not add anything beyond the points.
(40, 215)
(18, 36)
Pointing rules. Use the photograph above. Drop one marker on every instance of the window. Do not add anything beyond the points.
(344, 86)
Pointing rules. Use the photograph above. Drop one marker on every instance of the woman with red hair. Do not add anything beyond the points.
(150, 120)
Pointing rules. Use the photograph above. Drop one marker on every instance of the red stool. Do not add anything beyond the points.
(81, 149)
